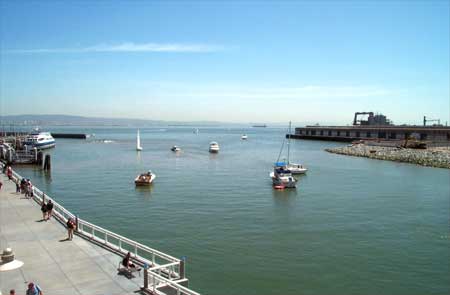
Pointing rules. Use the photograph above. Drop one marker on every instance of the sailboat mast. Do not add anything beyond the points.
(289, 141)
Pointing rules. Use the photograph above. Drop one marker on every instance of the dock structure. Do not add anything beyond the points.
(373, 127)
(435, 135)
(55, 135)
(88, 264)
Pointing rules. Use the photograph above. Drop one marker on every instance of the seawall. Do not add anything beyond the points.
(433, 157)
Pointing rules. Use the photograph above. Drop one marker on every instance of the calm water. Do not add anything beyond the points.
(353, 226)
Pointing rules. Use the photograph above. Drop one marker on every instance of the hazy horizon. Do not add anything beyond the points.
(237, 62)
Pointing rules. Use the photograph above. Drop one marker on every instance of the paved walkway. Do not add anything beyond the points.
(57, 266)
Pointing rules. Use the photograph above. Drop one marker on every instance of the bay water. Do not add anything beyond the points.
(352, 226)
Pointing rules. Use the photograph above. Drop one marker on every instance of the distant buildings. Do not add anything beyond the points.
(375, 127)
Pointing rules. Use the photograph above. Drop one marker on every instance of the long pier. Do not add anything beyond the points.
(89, 264)
(55, 135)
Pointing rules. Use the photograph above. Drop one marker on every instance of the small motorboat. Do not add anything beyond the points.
(175, 148)
(214, 147)
(145, 178)
(244, 137)
(282, 177)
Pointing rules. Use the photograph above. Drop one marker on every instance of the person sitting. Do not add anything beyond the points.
(128, 264)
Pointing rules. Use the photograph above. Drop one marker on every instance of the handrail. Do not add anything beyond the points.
(168, 268)
(170, 283)
(117, 236)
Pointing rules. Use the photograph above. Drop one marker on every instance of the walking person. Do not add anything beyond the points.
(1, 184)
(70, 227)
(33, 289)
(9, 172)
(49, 209)
(17, 188)
(44, 211)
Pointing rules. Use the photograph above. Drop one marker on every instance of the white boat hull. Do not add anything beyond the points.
(286, 181)
(296, 168)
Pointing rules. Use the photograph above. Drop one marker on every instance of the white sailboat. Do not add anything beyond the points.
(293, 167)
(138, 142)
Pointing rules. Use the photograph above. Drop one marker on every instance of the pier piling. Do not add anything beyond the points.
(47, 163)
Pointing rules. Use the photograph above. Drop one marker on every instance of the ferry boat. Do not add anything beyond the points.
(214, 147)
(145, 178)
(40, 140)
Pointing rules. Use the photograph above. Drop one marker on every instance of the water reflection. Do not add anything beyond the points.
(144, 191)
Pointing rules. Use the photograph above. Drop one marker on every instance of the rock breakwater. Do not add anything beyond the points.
(432, 157)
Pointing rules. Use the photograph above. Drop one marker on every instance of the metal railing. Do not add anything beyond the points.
(161, 267)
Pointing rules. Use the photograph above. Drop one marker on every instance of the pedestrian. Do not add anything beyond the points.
(70, 228)
(12, 292)
(17, 188)
(9, 172)
(1, 184)
(30, 192)
(33, 289)
(44, 211)
(49, 209)
(22, 185)
(27, 188)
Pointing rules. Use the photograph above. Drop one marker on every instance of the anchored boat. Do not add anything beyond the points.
(145, 178)
(175, 148)
(281, 177)
(214, 147)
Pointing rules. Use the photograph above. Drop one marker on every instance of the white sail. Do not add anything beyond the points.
(138, 142)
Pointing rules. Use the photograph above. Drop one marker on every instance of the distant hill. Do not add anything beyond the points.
(66, 120)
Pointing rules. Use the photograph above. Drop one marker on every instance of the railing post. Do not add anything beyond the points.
(76, 223)
(120, 244)
(43, 198)
(145, 276)
(182, 267)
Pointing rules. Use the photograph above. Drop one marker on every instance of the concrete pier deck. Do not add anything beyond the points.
(58, 266)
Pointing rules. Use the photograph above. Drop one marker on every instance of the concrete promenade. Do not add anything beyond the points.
(58, 266)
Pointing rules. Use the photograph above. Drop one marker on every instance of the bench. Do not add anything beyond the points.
(128, 270)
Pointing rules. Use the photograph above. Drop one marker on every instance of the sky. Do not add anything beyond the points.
(229, 61)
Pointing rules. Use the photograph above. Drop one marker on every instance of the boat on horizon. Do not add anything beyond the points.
(244, 137)
(260, 125)
(40, 140)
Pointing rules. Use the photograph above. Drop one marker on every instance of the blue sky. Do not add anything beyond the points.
(249, 61)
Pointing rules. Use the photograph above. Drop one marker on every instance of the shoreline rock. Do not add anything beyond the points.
(432, 157)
